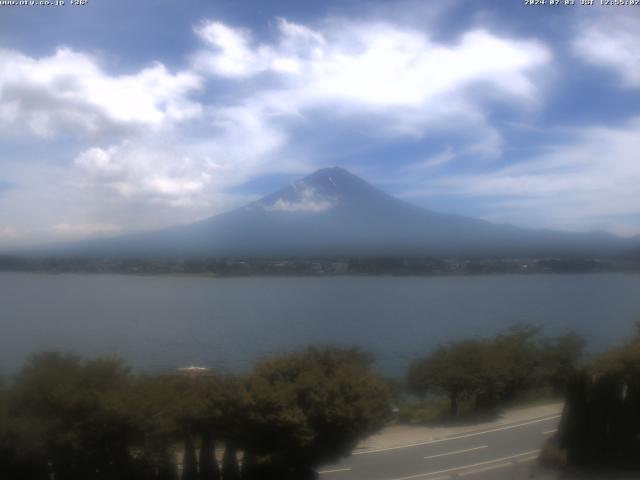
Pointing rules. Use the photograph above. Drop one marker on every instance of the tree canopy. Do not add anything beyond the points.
(493, 370)
(312, 407)
(95, 420)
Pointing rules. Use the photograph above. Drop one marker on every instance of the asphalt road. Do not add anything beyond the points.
(504, 452)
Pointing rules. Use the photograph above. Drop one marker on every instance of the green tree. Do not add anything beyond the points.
(152, 402)
(455, 370)
(519, 359)
(560, 357)
(181, 409)
(494, 370)
(307, 408)
(80, 409)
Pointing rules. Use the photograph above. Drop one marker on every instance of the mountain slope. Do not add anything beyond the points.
(333, 212)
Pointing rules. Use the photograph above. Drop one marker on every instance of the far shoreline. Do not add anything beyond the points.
(316, 276)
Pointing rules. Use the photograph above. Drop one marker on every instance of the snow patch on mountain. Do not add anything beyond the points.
(305, 199)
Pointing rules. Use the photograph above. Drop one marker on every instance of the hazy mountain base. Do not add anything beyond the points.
(332, 213)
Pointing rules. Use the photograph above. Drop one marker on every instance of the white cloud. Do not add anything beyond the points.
(394, 79)
(235, 56)
(611, 41)
(146, 174)
(180, 172)
(132, 170)
(396, 67)
(591, 181)
(70, 89)
(237, 59)
(374, 64)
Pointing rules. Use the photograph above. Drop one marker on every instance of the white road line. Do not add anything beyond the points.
(458, 437)
(464, 467)
(497, 467)
(457, 451)
(550, 431)
(336, 470)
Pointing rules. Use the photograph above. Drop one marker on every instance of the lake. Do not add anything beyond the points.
(158, 323)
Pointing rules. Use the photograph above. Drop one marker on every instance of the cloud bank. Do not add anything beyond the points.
(154, 146)
(69, 90)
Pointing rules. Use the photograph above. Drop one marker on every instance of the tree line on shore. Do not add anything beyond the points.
(313, 266)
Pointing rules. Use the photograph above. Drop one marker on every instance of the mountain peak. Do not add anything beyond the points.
(337, 181)
(329, 171)
(320, 191)
(330, 177)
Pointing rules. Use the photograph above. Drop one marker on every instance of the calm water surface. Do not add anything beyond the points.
(156, 323)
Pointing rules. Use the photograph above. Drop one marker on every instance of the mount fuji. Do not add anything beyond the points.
(335, 213)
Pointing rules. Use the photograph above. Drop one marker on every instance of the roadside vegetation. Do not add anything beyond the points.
(67, 418)
(600, 427)
(71, 419)
(475, 377)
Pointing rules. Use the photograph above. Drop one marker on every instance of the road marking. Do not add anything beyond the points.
(464, 467)
(458, 437)
(496, 467)
(457, 451)
(335, 470)
(550, 431)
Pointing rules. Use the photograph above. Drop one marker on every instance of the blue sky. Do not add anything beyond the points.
(122, 116)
